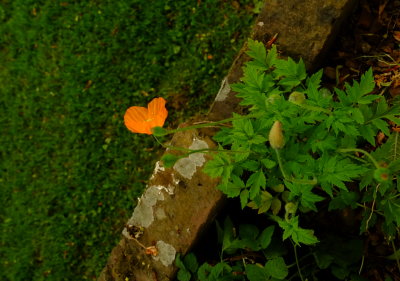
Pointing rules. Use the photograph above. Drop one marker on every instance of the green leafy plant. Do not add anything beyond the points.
(303, 149)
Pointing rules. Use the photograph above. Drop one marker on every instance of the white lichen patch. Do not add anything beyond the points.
(166, 253)
(143, 214)
(187, 166)
(223, 90)
(157, 169)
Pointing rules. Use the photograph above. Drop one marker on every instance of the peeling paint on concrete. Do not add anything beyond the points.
(166, 253)
(223, 90)
(187, 166)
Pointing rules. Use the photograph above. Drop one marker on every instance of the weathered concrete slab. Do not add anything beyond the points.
(180, 202)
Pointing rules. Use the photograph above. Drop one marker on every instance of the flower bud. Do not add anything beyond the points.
(276, 136)
(382, 174)
(278, 188)
(297, 98)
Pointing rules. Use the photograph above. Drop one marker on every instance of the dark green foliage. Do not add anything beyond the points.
(316, 167)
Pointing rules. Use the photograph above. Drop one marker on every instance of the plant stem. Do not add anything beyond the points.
(278, 156)
(210, 124)
(344, 150)
(191, 151)
(297, 260)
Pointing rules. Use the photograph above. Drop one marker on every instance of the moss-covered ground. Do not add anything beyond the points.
(69, 169)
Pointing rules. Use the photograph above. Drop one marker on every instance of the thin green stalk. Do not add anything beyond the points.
(297, 261)
(211, 124)
(278, 156)
(191, 151)
(344, 150)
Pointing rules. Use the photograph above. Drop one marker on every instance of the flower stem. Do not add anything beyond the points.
(278, 156)
(344, 150)
(211, 124)
(297, 260)
(191, 151)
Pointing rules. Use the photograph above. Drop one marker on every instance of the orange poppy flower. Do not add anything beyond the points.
(141, 120)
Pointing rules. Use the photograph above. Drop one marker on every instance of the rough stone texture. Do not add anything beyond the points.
(173, 210)
(179, 202)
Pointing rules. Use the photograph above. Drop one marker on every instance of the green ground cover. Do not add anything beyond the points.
(70, 170)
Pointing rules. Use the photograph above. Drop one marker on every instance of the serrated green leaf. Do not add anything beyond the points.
(336, 171)
(218, 270)
(204, 272)
(304, 195)
(268, 163)
(244, 198)
(368, 132)
(256, 273)
(258, 53)
(367, 83)
(390, 150)
(219, 166)
(381, 125)
(391, 210)
(183, 275)
(357, 115)
(368, 99)
(191, 263)
(256, 181)
(277, 268)
(291, 229)
(272, 56)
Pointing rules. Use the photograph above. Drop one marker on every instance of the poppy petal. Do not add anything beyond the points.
(157, 112)
(135, 120)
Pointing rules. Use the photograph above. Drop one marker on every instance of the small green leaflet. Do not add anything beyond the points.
(304, 194)
(256, 181)
(290, 73)
(233, 187)
(334, 171)
(277, 268)
(256, 272)
(258, 53)
(291, 229)
(219, 166)
(357, 93)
